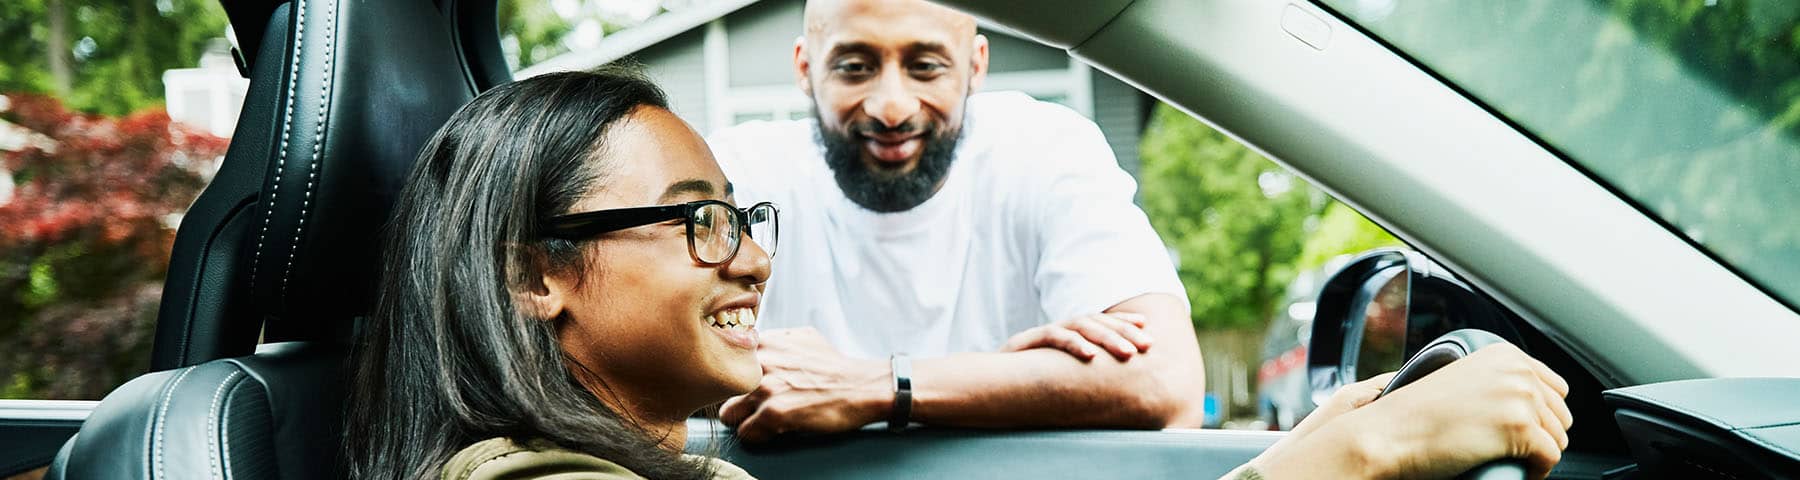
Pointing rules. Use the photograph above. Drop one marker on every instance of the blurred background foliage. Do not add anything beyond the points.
(1240, 227)
(102, 56)
(88, 232)
(99, 176)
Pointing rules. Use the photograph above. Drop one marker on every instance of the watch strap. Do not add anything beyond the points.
(901, 415)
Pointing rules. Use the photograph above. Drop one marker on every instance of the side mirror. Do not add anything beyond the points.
(1382, 308)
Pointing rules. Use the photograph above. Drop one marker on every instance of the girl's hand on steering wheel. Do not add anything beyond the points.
(1496, 403)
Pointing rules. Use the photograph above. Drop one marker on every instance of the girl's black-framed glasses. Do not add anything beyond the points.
(715, 229)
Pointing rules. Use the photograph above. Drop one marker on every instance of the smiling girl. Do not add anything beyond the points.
(567, 281)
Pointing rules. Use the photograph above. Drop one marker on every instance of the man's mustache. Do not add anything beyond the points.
(870, 128)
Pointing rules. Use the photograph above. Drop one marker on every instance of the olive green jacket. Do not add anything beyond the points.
(503, 459)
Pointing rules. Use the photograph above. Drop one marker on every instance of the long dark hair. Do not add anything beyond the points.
(447, 358)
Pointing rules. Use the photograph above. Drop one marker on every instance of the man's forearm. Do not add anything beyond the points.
(808, 386)
(1048, 388)
(1162, 387)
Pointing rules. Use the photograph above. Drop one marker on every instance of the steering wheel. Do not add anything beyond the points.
(1449, 348)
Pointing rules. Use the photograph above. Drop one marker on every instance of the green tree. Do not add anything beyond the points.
(1341, 230)
(1235, 220)
(534, 28)
(102, 56)
(532, 31)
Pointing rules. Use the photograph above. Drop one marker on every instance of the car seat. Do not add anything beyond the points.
(277, 261)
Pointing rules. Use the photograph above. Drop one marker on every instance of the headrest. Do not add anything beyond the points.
(363, 85)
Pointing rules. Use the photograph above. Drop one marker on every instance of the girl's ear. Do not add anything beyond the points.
(538, 292)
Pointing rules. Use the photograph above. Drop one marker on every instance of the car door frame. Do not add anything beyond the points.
(32, 431)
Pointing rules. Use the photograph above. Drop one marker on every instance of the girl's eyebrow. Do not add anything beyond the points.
(693, 186)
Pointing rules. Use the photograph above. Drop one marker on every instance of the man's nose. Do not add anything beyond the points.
(892, 103)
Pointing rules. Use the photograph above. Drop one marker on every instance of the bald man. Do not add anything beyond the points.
(950, 258)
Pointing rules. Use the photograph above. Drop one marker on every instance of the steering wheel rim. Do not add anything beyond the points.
(1448, 348)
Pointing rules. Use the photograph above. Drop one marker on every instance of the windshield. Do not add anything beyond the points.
(1691, 108)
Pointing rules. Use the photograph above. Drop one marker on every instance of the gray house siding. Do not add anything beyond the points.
(1119, 110)
(1007, 53)
(761, 38)
(679, 66)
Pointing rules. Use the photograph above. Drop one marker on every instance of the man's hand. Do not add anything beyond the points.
(807, 386)
(1119, 333)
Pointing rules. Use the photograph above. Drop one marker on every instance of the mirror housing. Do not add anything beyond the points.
(1435, 302)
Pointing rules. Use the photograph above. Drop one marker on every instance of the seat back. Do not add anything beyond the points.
(283, 244)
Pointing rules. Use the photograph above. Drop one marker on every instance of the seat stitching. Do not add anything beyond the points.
(162, 413)
(312, 169)
(216, 434)
(287, 126)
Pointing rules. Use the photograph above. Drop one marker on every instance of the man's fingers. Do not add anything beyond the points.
(1016, 343)
(1135, 319)
(1026, 340)
(1071, 342)
(759, 427)
(1132, 331)
(1097, 331)
(735, 410)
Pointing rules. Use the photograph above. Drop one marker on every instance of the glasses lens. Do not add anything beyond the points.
(762, 227)
(715, 233)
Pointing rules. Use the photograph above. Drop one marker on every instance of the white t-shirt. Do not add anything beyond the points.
(1034, 223)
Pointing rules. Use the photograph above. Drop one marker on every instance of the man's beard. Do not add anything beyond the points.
(876, 188)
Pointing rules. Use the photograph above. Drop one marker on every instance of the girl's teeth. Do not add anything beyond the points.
(743, 318)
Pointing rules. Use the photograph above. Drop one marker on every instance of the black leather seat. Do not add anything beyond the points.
(282, 244)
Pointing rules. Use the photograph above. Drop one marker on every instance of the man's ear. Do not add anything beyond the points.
(978, 63)
(539, 293)
(802, 65)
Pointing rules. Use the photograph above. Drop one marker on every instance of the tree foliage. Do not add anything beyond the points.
(533, 29)
(1234, 219)
(1241, 226)
(114, 51)
(86, 244)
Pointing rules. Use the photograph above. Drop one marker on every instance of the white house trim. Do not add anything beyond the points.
(716, 54)
(628, 41)
(1081, 87)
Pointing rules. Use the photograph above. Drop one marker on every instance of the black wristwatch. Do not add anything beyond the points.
(902, 413)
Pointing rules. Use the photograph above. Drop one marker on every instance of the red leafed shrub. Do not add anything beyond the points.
(84, 242)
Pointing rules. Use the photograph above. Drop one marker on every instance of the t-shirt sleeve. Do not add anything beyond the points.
(1095, 246)
(737, 157)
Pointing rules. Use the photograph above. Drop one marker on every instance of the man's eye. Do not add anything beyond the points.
(927, 68)
(853, 68)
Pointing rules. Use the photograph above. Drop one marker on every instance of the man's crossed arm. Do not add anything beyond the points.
(1051, 376)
